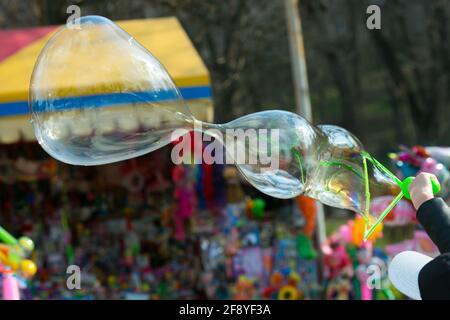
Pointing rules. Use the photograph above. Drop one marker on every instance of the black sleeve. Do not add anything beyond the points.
(434, 215)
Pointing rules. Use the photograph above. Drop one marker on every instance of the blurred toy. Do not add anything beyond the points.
(244, 289)
(353, 233)
(212, 253)
(441, 154)
(184, 196)
(421, 242)
(13, 254)
(364, 254)
(308, 208)
(232, 244)
(345, 232)
(275, 283)
(337, 261)
(305, 247)
(250, 236)
(358, 231)
(233, 214)
(30, 170)
(435, 160)
(235, 194)
(339, 289)
(13, 263)
(255, 208)
(291, 291)
(249, 261)
(10, 287)
(402, 214)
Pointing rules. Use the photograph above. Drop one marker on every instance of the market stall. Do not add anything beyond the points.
(164, 37)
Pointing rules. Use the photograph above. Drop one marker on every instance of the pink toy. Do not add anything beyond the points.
(184, 193)
(345, 232)
(430, 165)
(402, 214)
(10, 287)
(421, 243)
(184, 211)
(408, 158)
(337, 262)
(364, 256)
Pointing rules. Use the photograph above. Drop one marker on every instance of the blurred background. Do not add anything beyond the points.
(389, 87)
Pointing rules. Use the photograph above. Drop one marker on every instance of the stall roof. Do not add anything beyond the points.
(164, 37)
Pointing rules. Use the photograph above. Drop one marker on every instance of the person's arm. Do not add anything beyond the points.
(432, 213)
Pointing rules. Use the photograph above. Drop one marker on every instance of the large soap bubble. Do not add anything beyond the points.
(97, 96)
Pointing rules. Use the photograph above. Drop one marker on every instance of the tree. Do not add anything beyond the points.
(416, 58)
(336, 34)
(244, 44)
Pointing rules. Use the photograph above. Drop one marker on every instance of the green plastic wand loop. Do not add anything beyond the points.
(383, 215)
(367, 189)
(404, 185)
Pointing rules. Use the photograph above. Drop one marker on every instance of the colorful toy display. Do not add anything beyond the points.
(14, 264)
(434, 160)
(349, 260)
(124, 239)
(123, 234)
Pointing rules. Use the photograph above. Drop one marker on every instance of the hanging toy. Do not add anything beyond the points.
(305, 247)
(308, 208)
(255, 208)
(184, 193)
(364, 255)
(337, 261)
(235, 194)
(359, 230)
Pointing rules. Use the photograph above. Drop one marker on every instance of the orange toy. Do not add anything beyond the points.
(358, 231)
(308, 208)
(244, 289)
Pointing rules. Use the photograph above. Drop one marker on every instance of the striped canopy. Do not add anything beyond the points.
(163, 37)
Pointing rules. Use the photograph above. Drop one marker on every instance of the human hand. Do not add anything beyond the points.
(421, 189)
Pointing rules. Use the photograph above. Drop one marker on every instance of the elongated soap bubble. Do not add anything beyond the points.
(97, 96)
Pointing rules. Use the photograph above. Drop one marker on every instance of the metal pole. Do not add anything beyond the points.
(303, 101)
(298, 61)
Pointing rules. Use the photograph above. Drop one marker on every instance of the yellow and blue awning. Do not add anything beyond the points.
(164, 37)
